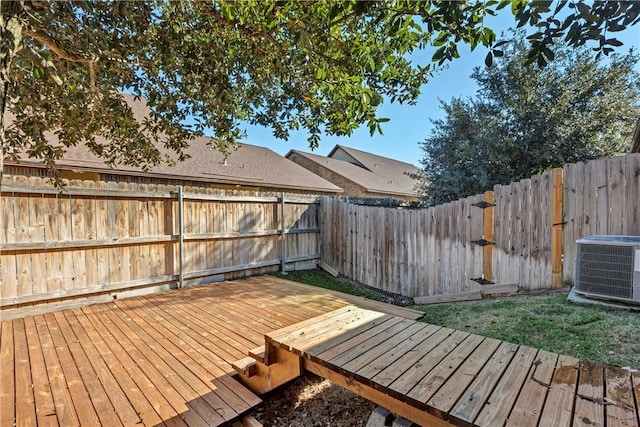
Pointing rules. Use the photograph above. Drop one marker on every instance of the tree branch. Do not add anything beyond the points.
(64, 54)
(234, 26)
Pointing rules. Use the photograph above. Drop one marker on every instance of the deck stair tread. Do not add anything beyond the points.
(431, 374)
(258, 354)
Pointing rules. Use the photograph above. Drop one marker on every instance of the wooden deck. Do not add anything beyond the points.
(160, 359)
(437, 376)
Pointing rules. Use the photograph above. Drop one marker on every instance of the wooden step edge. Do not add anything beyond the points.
(247, 421)
(245, 366)
(258, 354)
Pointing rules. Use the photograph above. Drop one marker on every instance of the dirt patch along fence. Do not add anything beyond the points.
(519, 234)
(98, 238)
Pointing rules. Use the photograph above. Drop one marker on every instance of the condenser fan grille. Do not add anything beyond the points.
(605, 270)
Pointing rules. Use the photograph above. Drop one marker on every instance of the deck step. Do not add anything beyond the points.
(257, 353)
(245, 366)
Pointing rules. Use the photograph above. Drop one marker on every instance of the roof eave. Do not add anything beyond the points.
(225, 181)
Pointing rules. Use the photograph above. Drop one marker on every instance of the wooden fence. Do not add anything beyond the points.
(104, 238)
(99, 238)
(461, 248)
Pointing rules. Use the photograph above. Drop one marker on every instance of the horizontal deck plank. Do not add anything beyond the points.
(156, 359)
(7, 375)
(528, 406)
(497, 407)
(558, 409)
(621, 410)
(446, 397)
(165, 359)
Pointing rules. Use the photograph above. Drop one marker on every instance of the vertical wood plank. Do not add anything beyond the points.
(91, 254)
(102, 232)
(9, 276)
(487, 253)
(457, 266)
(632, 195)
(134, 231)
(526, 230)
(78, 232)
(38, 266)
(590, 198)
(556, 221)
(602, 197)
(546, 225)
(23, 234)
(569, 217)
(617, 201)
(438, 287)
(466, 242)
(428, 255)
(114, 233)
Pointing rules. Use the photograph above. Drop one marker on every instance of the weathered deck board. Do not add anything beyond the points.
(438, 376)
(159, 359)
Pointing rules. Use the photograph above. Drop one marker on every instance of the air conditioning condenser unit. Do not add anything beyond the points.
(608, 267)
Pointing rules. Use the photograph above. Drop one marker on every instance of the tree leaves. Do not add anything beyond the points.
(525, 120)
(207, 66)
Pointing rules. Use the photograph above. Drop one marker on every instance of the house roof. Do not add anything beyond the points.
(392, 170)
(249, 165)
(365, 178)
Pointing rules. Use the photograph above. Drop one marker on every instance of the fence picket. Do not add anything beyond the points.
(423, 252)
(632, 195)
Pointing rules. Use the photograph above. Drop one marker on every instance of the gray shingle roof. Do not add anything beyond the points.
(371, 181)
(390, 169)
(249, 165)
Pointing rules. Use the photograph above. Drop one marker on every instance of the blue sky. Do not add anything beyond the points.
(410, 125)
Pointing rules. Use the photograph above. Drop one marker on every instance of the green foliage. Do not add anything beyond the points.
(548, 322)
(322, 66)
(525, 120)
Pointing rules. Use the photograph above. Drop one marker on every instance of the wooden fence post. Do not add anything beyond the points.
(487, 251)
(557, 225)
(283, 237)
(180, 236)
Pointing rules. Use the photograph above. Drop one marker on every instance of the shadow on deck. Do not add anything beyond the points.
(159, 359)
(437, 376)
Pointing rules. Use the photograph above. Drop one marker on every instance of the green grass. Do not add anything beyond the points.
(547, 322)
(323, 280)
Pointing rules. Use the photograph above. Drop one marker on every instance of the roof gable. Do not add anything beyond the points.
(390, 169)
(363, 177)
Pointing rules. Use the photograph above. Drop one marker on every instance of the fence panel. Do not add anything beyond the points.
(600, 197)
(533, 226)
(99, 238)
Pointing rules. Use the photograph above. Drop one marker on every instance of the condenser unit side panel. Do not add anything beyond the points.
(636, 276)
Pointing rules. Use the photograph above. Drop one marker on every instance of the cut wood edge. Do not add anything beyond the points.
(491, 290)
(437, 299)
(284, 367)
(332, 271)
(258, 354)
(245, 366)
(247, 421)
